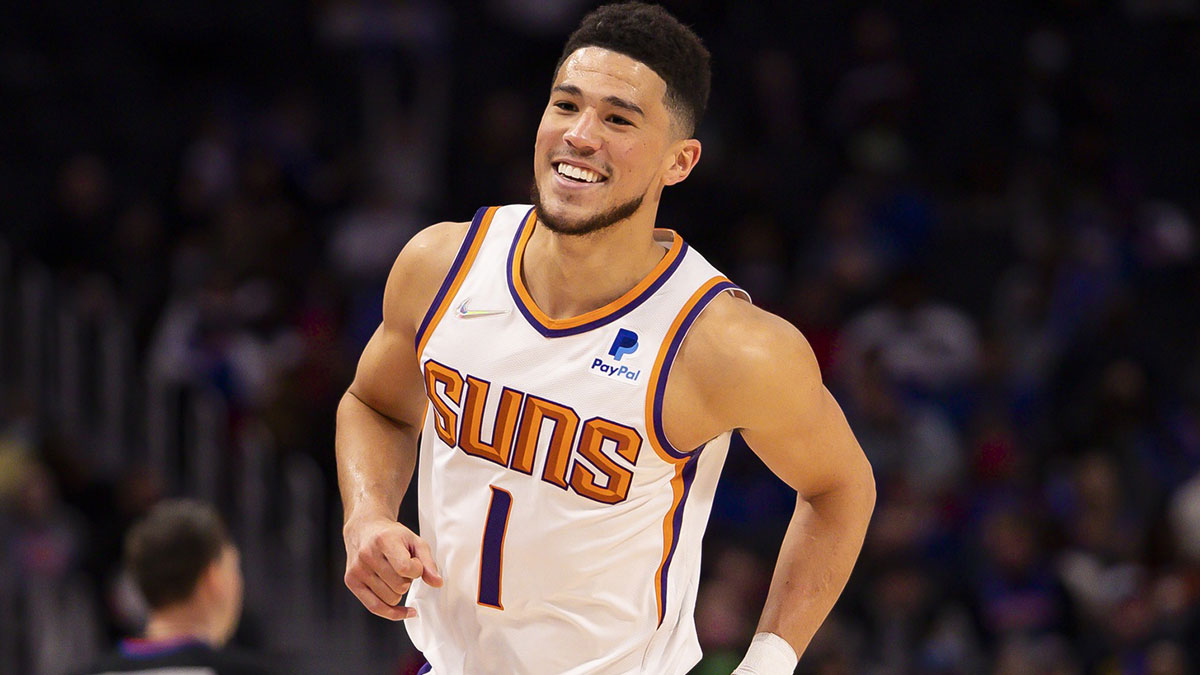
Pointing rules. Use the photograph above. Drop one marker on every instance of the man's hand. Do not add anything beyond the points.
(383, 558)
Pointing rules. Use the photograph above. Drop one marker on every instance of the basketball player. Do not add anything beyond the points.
(187, 570)
(572, 375)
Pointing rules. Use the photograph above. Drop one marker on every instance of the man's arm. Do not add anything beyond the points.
(769, 387)
(378, 421)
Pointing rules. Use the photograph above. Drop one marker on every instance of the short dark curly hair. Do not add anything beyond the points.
(649, 34)
(169, 549)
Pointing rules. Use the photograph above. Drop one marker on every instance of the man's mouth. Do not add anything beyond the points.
(578, 174)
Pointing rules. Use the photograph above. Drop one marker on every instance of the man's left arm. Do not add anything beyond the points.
(792, 422)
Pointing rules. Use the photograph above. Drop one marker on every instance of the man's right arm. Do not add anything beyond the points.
(378, 421)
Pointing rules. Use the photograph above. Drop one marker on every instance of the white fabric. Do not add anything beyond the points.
(579, 580)
(769, 654)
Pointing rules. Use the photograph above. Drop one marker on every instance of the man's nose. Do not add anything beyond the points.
(584, 134)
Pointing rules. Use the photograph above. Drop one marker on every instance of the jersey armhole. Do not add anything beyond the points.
(455, 275)
(657, 389)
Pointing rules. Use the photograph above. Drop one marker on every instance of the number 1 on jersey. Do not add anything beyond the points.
(491, 556)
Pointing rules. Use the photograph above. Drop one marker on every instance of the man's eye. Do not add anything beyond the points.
(617, 119)
(565, 105)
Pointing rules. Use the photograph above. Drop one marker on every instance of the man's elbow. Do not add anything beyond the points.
(865, 484)
(852, 493)
(856, 490)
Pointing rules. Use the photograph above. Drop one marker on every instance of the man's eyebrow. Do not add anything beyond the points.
(623, 104)
(568, 89)
(615, 101)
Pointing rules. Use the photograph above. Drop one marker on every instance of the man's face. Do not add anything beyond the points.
(604, 143)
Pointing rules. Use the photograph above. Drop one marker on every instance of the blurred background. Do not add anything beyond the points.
(982, 216)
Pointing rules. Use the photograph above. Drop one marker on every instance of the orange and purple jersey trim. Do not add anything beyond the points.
(684, 462)
(596, 318)
(454, 277)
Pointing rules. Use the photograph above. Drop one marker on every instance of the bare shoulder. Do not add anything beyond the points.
(733, 332)
(419, 271)
(740, 359)
(427, 257)
(753, 371)
(388, 376)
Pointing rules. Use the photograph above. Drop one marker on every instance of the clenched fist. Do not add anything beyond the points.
(383, 558)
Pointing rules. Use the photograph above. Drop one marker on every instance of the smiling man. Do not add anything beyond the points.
(567, 377)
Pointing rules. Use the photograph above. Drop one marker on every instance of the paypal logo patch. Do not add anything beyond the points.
(626, 343)
(623, 373)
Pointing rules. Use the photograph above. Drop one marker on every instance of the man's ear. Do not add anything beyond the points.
(684, 158)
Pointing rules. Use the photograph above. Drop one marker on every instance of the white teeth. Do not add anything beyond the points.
(578, 173)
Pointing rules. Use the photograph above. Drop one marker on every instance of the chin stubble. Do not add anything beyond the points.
(588, 225)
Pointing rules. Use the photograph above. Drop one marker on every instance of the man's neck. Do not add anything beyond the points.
(179, 622)
(570, 275)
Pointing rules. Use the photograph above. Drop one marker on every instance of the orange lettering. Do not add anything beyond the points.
(629, 444)
(445, 420)
(566, 421)
(471, 440)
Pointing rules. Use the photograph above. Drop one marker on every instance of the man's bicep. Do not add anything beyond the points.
(388, 378)
(796, 426)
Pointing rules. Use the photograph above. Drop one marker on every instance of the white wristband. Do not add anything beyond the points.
(769, 654)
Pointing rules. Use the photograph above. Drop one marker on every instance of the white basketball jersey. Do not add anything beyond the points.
(566, 526)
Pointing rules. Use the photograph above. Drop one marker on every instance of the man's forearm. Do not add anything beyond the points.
(375, 459)
(822, 543)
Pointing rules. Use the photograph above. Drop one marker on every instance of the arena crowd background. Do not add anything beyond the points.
(981, 214)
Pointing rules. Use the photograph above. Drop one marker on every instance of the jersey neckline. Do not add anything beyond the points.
(614, 310)
(149, 647)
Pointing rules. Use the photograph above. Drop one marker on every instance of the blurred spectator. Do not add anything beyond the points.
(914, 625)
(928, 349)
(906, 440)
(42, 561)
(1017, 595)
(844, 250)
(880, 87)
(76, 233)
(189, 573)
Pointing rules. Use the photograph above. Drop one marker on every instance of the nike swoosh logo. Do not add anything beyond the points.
(465, 313)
